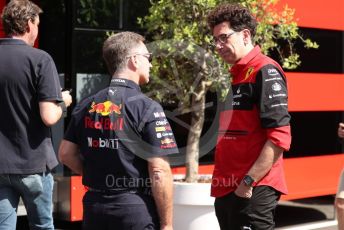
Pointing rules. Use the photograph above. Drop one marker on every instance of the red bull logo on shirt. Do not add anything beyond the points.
(105, 108)
(167, 141)
(104, 123)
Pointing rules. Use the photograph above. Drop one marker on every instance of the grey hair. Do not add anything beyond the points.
(117, 47)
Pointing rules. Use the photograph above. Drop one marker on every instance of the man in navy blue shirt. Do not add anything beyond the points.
(30, 101)
(118, 140)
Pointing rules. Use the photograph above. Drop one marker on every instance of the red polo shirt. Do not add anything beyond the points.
(256, 110)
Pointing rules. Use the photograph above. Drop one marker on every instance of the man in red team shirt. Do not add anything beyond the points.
(339, 201)
(248, 178)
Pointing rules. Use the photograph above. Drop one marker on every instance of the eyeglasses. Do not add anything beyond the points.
(222, 38)
(147, 55)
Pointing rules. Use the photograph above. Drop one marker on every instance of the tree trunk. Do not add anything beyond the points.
(192, 148)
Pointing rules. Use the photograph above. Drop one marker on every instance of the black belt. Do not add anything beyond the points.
(120, 190)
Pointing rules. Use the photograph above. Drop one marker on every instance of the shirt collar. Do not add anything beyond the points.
(11, 41)
(124, 83)
(242, 63)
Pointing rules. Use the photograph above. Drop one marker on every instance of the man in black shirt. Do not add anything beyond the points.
(118, 140)
(30, 101)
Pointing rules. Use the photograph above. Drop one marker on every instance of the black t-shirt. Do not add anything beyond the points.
(117, 130)
(27, 76)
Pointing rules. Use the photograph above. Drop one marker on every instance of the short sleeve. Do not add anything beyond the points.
(272, 93)
(49, 87)
(72, 133)
(157, 132)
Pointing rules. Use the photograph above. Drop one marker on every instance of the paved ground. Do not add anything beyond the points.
(306, 214)
(59, 225)
(316, 213)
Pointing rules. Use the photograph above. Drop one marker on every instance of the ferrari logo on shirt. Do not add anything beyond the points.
(248, 73)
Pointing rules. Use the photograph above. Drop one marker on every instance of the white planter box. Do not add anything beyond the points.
(193, 207)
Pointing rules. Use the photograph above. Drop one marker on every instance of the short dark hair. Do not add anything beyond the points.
(238, 16)
(117, 47)
(16, 15)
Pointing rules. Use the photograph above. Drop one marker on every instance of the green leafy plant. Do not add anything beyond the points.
(185, 67)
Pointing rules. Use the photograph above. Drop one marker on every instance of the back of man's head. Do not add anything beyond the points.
(117, 48)
(16, 14)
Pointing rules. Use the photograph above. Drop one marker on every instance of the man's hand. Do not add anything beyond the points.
(244, 191)
(66, 97)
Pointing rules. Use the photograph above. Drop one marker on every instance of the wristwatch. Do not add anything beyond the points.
(248, 181)
(63, 106)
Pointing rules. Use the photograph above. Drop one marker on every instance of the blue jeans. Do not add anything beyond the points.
(36, 193)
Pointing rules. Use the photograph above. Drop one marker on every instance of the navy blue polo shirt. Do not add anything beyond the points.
(27, 76)
(117, 130)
